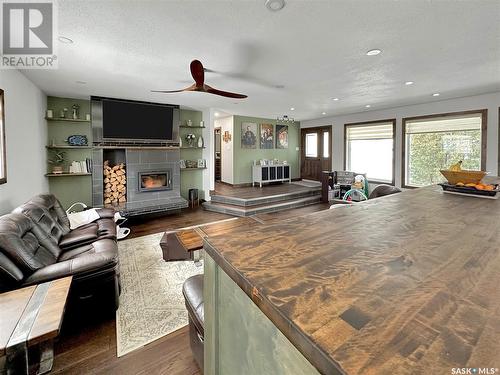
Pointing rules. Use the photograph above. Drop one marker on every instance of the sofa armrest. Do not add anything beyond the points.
(10, 275)
(106, 213)
(84, 265)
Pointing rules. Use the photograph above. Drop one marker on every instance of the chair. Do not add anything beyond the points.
(193, 295)
(383, 190)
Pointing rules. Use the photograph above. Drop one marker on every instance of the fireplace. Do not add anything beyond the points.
(155, 181)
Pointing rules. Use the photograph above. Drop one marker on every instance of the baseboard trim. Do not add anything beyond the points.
(247, 184)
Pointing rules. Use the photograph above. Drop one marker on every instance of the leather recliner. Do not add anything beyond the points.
(37, 245)
(192, 289)
(383, 190)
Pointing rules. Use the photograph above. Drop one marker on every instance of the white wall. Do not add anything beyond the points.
(226, 124)
(485, 101)
(26, 136)
(208, 152)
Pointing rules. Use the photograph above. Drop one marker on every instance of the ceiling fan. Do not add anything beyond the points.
(198, 73)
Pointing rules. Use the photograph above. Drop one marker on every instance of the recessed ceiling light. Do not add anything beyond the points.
(368, 106)
(216, 114)
(409, 83)
(435, 94)
(373, 52)
(275, 5)
(336, 99)
(65, 40)
(323, 113)
(292, 109)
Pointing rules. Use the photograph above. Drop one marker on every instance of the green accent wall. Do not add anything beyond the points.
(194, 178)
(243, 158)
(69, 189)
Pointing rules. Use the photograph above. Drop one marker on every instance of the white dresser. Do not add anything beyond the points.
(270, 173)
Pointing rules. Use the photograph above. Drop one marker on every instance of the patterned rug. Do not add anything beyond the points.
(151, 301)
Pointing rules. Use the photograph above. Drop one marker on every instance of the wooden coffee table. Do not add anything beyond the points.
(30, 319)
(185, 244)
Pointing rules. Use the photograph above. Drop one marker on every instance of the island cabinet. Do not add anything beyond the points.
(270, 173)
(403, 284)
(239, 338)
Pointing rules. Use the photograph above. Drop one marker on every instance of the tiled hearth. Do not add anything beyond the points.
(140, 162)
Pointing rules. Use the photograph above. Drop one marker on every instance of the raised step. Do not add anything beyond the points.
(257, 201)
(236, 210)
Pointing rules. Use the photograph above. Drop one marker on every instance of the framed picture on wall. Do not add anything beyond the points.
(282, 136)
(266, 136)
(248, 135)
(3, 154)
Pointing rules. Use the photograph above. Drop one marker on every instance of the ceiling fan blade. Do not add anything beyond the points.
(197, 72)
(190, 88)
(227, 94)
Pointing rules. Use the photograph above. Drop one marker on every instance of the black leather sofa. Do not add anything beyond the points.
(37, 245)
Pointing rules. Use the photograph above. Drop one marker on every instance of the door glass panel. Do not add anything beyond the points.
(312, 145)
(326, 144)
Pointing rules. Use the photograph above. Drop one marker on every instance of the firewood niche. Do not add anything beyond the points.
(115, 181)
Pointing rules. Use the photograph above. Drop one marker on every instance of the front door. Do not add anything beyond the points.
(316, 152)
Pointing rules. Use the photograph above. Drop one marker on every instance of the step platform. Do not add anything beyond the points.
(253, 200)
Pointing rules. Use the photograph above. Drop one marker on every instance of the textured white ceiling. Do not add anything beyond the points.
(315, 49)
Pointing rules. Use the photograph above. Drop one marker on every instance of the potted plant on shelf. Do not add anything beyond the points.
(57, 161)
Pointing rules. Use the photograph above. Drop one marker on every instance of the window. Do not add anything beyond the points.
(326, 145)
(3, 157)
(312, 145)
(369, 148)
(435, 142)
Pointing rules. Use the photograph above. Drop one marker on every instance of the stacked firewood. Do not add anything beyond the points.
(115, 181)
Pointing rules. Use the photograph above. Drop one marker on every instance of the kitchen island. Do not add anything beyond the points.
(404, 284)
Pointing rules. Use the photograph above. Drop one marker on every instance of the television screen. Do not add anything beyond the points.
(141, 121)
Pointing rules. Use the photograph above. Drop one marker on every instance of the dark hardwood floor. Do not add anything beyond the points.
(89, 347)
(160, 223)
(87, 344)
(248, 192)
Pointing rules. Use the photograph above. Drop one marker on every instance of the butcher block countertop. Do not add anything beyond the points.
(404, 284)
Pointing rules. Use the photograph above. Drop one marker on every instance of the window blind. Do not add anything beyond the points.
(444, 124)
(382, 130)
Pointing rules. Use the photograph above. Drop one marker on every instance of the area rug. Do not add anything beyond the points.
(151, 301)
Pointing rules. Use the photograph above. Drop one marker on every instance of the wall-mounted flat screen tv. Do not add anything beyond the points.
(136, 121)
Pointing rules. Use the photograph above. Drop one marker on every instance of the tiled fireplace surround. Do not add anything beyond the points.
(141, 160)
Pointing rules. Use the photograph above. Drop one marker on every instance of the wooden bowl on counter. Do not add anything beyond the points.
(466, 177)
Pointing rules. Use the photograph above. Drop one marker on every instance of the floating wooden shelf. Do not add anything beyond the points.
(192, 148)
(67, 174)
(66, 119)
(55, 147)
(192, 127)
(192, 169)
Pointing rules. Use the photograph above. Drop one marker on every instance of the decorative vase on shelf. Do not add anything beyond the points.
(180, 142)
(200, 142)
(202, 124)
(190, 138)
(189, 123)
(57, 169)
